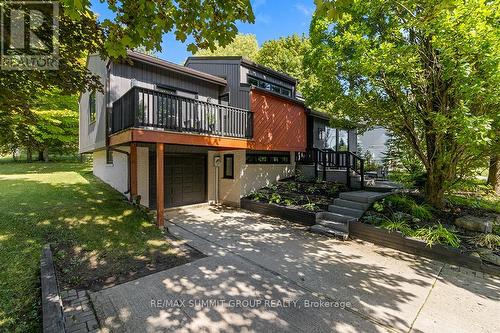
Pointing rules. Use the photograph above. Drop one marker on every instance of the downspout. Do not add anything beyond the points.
(128, 166)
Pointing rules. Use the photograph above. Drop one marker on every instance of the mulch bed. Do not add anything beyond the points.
(295, 194)
(76, 273)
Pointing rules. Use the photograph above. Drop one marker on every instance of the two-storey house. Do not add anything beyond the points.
(213, 130)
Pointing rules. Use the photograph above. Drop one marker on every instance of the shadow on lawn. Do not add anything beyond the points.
(98, 238)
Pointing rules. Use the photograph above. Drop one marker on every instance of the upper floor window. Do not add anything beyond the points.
(269, 86)
(92, 107)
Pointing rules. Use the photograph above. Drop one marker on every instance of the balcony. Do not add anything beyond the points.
(151, 109)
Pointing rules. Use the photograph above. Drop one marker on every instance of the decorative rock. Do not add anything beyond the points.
(489, 256)
(473, 223)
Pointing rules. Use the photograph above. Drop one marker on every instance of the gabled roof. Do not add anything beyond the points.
(248, 63)
(136, 56)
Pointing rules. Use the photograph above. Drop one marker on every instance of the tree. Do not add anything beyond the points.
(426, 70)
(245, 45)
(143, 22)
(286, 55)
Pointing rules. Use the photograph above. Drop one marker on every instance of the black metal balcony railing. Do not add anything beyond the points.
(141, 107)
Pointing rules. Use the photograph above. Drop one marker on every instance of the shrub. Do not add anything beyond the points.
(332, 189)
(423, 212)
(397, 224)
(400, 201)
(310, 206)
(373, 219)
(378, 206)
(491, 241)
(289, 202)
(437, 234)
(259, 196)
(310, 189)
(275, 198)
(290, 186)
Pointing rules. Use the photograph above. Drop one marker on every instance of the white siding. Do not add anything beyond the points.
(93, 136)
(115, 174)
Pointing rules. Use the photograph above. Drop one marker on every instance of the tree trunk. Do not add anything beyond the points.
(494, 173)
(45, 154)
(434, 192)
(40, 155)
(29, 155)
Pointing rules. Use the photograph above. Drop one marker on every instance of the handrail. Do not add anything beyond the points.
(142, 107)
(329, 158)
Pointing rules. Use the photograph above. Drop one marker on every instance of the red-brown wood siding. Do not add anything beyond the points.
(278, 124)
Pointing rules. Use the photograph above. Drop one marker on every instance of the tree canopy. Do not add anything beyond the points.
(286, 55)
(426, 70)
(144, 22)
(245, 45)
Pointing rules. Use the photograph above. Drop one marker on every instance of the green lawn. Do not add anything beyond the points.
(98, 237)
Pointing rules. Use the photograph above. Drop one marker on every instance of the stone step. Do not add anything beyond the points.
(346, 211)
(362, 196)
(339, 226)
(334, 217)
(351, 204)
(319, 229)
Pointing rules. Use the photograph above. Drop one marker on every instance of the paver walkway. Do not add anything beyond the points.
(330, 285)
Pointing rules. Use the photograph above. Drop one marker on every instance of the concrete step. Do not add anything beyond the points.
(346, 211)
(351, 204)
(319, 229)
(362, 196)
(334, 217)
(339, 226)
(383, 186)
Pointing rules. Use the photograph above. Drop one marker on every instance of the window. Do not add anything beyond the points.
(224, 99)
(109, 156)
(229, 166)
(276, 88)
(92, 107)
(268, 158)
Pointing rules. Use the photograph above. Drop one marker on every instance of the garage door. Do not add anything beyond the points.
(185, 180)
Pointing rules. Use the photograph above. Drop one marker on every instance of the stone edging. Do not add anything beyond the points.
(52, 310)
(396, 240)
(290, 214)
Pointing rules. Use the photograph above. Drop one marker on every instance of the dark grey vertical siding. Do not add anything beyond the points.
(148, 76)
(230, 70)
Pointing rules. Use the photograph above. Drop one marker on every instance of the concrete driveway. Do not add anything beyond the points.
(264, 274)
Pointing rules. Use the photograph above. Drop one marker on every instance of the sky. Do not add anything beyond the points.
(273, 19)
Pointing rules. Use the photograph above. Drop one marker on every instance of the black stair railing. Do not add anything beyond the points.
(329, 158)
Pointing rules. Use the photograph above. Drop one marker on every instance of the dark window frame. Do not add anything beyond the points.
(226, 174)
(263, 84)
(92, 107)
(268, 158)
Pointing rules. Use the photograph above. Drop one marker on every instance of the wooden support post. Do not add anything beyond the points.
(133, 170)
(160, 203)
